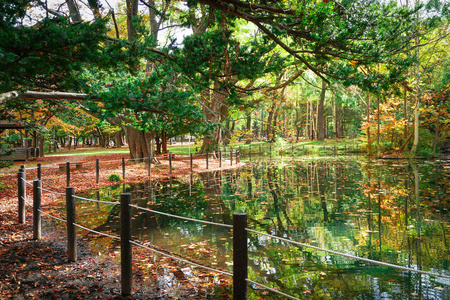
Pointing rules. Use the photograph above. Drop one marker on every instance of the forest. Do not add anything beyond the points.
(145, 72)
(338, 108)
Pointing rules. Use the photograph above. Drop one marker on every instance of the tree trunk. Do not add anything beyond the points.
(320, 110)
(41, 146)
(378, 127)
(74, 11)
(417, 99)
(215, 112)
(164, 142)
(140, 143)
(132, 11)
(436, 126)
(368, 123)
(248, 134)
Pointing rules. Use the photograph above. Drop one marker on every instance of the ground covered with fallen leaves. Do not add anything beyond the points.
(31, 269)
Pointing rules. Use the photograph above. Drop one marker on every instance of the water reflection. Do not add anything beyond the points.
(391, 212)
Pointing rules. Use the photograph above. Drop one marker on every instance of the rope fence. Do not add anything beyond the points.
(239, 231)
(180, 217)
(181, 259)
(349, 255)
(97, 201)
(96, 232)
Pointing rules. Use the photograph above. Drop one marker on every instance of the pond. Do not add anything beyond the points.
(390, 211)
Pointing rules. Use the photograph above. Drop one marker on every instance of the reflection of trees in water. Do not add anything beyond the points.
(309, 199)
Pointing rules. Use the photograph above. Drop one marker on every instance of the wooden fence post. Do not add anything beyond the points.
(125, 245)
(123, 168)
(149, 166)
(97, 170)
(170, 163)
(240, 256)
(207, 160)
(37, 222)
(191, 161)
(71, 229)
(39, 171)
(67, 174)
(220, 159)
(22, 194)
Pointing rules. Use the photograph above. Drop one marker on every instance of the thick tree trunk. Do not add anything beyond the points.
(320, 111)
(140, 143)
(164, 142)
(215, 112)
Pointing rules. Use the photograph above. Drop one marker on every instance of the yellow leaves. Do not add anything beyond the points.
(353, 62)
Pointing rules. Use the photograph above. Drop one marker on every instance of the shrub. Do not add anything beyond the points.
(114, 177)
(5, 163)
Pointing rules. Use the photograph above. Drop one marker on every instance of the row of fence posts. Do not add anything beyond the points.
(149, 166)
(240, 252)
(292, 149)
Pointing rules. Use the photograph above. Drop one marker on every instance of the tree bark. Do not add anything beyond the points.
(368, 123)
(74, 11)
(320, 111)
(140, 143)
(378, 127)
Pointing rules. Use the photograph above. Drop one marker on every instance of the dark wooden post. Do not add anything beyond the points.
(240, 256)
(334, 150)
(125, 245)
(97, 170)
(71, 229)
(39, 171)
(191, 161)
(207, 160)
(22, 194)
(67, 173)
(149, 166)
(220, 159)
(123, 168)
(37, 223)
(170, 163)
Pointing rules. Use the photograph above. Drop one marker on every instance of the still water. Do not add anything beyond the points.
(394, 212)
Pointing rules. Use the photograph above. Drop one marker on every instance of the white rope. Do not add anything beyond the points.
(93, 200)
(271, 289)
(62, 220)
(50, 178)
(97, 232)
(26, 202)
(62, 194)
(49, 166)
(28, 182)
(350, 256)
(31, 168)
(181, 259)
(109, 161)
(183, 218)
